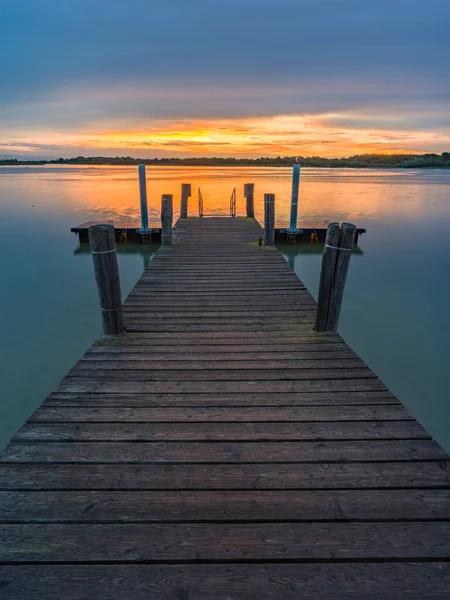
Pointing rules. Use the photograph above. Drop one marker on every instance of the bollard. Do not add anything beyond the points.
(269, 219)
(249, 189)
(166, 219)
(143, 195)
(335, 263)
(294, 198)
(185, 195)
(103, 250)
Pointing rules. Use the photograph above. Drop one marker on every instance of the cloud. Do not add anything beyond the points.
(77, 69)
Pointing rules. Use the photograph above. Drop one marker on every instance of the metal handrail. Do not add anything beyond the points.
(200, 203)
(233, 204)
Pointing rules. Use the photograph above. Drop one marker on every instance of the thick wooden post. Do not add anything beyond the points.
(249, 190)
(185, 195)
(346, 244)
(269, 219)
(103, 250)
(335, 262)
(166, 219)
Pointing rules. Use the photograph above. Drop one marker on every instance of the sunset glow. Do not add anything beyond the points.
(321, 134)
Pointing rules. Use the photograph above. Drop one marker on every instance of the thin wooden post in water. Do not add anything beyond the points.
(103, 250)
(335, 262)
(249, 189)
(185, 195)
(143, 196)
(269, 219)
(166, 219)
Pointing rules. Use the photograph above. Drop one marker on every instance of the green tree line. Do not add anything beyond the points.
(404, 161)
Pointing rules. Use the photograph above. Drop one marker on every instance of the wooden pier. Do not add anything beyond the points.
(130, 231)
(222, 449)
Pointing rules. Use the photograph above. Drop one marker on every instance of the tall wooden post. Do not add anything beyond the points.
(103, 250)
(185, 195)
(294, 197)
(143, 195)
(335, 262)
(269, 219)
(166, 219)
(249, 189)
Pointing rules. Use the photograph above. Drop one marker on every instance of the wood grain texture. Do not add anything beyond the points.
(344, 581)
(254, 476)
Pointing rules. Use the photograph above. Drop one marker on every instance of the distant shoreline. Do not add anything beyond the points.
(364, 161)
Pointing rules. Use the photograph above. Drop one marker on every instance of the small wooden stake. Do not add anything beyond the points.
(166, 219)
(335, 263)
(249, 189)
(185, 195)
(103, 249)
(269, 219)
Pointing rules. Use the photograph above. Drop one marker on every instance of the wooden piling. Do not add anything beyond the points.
(185, 195)
(335, 263)
(103, 249)
(166, 219)
(249, 189)
(269, 219)
(346, 242)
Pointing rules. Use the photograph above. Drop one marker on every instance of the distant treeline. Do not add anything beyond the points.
(359, 161)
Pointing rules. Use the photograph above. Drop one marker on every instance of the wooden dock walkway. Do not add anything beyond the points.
(222, 449)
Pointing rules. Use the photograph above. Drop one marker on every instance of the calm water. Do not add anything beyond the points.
(395, 312)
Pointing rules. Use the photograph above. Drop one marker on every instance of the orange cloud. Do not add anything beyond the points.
(328, 134)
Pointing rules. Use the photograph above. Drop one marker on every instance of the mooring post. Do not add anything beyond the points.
(269, 219)
(335, 262)
(166, 219)
(143, 195)
(185, 195)
(103, 250)
(249, 189)
(346, 244)
(294, 197)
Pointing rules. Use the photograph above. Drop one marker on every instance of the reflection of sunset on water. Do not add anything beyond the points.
(341, 194)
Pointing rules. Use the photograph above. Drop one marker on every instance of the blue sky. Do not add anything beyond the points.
(155, 78)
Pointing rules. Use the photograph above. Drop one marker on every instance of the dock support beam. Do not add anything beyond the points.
(294, 198)
(143, 195)
(166, 219)
(185, 195)
(337, 252)
(103, 250)
(269, 219)
(249, 189)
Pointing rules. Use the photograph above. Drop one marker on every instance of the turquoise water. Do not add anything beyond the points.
(395, 312)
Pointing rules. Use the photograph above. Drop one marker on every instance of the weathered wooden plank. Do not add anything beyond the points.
(262, 431)
(206, 542)
(108, 386)
(214, 339)
(349, 581)
(146, 364)
(223, 506)
(171, 327)
(187, 400)
(185, 354)
(128, 414)
(234, 452)
(216, 376)
(262, 476)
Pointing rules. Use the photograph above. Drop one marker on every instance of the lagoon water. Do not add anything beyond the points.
(396, 307)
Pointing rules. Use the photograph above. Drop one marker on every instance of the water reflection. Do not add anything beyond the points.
(145, 250)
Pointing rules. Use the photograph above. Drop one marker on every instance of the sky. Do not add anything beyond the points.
(155, 78)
